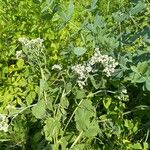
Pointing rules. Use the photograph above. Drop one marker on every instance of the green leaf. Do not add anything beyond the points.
(85, 118)
(134, 68)
(20, 63)
(142, 67)
(93, 4)
(107, 102)
(39, 110)
(147, 84)
(68, 87)
(136, 146)
(138, 8)
(49, 104)
(96, 86)
(80, 94)
(79, 51)
(51, 128)
(145, 146)
(46, 5)
(93, 129)
(137, 78)
(78, 147)
(119, 17)
(67, 16)
(30, 97)
(70, 10)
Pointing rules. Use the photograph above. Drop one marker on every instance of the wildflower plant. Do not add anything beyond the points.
(97, 63)
(33, 51)
(51, 102)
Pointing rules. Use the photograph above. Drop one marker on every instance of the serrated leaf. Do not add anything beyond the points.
(80, 94)
(93, 130)
(79, 51)
(83, 115)
(51, 128)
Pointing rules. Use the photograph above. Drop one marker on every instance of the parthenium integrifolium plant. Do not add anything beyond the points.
(34, 51)
(107, 65)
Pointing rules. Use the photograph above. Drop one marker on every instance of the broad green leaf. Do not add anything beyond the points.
(39, 110)
(83, 115)
(142, 67)
(79, 51)
(67, 16)
(80, 94)
(134, 68)
(93, 129)
(137, 78)
(51, 128)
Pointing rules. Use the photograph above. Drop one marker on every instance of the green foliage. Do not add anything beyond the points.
(46, 104)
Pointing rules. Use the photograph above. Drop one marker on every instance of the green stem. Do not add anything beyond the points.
(77, 139)
(72, 116)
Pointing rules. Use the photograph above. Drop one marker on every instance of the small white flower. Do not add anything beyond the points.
(84, 70)
(23, 40)
(30, 43)
(81, 84)
(56, 67)
(88, 69)
(18, 54)
(3, 123)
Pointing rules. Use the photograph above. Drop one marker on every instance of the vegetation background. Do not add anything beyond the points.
(45, 108)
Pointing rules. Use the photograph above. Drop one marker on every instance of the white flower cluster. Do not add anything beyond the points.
(33, 51)
(106, 61)
(3, 123)
(56, 67)
(30, 43)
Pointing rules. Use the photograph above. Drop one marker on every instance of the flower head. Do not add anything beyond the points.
(56, 67)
